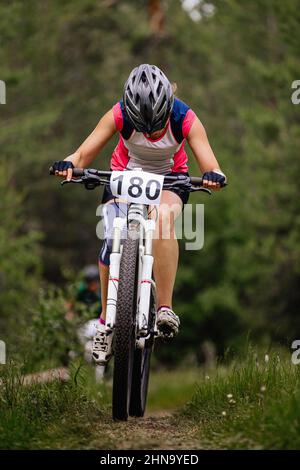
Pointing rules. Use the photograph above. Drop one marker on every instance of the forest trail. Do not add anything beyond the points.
(161, 427)
(156, 431)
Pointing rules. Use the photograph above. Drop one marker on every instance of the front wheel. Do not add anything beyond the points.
(141, 369)
(124, 335)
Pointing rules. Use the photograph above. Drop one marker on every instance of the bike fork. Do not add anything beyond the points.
(146, 281)
(114, 271)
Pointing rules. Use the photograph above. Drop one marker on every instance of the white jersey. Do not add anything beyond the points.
(156, 156)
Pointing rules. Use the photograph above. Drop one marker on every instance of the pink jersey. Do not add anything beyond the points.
(163, 155)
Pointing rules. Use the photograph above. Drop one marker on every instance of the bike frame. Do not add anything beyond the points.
(132, 353)
(144, 229)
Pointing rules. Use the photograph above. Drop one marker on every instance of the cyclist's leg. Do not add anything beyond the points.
(165, 246)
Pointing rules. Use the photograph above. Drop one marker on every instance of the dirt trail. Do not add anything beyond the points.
(162, 427)
(60, 373)
(157, 430)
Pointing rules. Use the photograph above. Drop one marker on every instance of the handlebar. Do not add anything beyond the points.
(196, 180)
(92, 178)
(79, 172)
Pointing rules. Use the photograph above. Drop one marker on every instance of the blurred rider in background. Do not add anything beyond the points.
(89, 294)
(89, 289)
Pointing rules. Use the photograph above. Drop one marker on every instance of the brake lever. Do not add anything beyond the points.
(72, 180)
(178, 184)
(90, 182)
(201, 188)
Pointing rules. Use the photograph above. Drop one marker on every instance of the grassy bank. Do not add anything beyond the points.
(31, 414)
(77, 414)
(250, 405)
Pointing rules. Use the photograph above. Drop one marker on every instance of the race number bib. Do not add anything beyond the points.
(137, 186)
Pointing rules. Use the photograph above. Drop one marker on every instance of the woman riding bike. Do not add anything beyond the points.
(153, 126)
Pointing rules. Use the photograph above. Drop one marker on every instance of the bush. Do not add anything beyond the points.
(19, 262)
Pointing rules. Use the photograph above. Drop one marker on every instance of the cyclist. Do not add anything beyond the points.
(89, 289)
(88, 294)
(153, 126)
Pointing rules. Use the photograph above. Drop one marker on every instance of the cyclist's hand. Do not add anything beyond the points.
(63, 168)
(214, 180)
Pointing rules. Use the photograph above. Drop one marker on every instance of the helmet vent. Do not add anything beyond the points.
(151, 97)
(161, 107)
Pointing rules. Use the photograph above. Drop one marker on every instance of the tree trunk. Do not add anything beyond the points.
(156, 17)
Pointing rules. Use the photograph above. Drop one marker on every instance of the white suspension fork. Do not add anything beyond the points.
(146, 278)
(114, 271)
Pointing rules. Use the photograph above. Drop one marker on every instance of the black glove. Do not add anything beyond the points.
(62, 165)
(215, 176)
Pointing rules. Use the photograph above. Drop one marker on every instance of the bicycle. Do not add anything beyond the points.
(131, 309)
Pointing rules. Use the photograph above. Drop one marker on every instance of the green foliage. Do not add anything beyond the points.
(245, 278)
(168, 391)
(53, 328)
(65, 64)
(29, 412)
(252, 405)
(19, 258)
(51, 333)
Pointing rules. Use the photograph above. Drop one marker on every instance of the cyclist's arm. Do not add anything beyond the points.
(198, 141)
(94, 143)
(204, 155)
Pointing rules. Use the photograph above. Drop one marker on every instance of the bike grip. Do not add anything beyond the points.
(77, 172)
(196, 180)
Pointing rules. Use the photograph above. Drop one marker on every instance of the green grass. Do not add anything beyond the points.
(77, 414)
(31, 417)
(171, 389)
(250, 405)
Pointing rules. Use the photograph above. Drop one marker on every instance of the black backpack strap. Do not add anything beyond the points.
(128, 128)
(178, 114)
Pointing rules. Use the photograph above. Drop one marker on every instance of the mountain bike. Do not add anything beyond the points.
(131, 300)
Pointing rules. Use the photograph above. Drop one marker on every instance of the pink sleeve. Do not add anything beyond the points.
(187, 123)
(117, 112)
